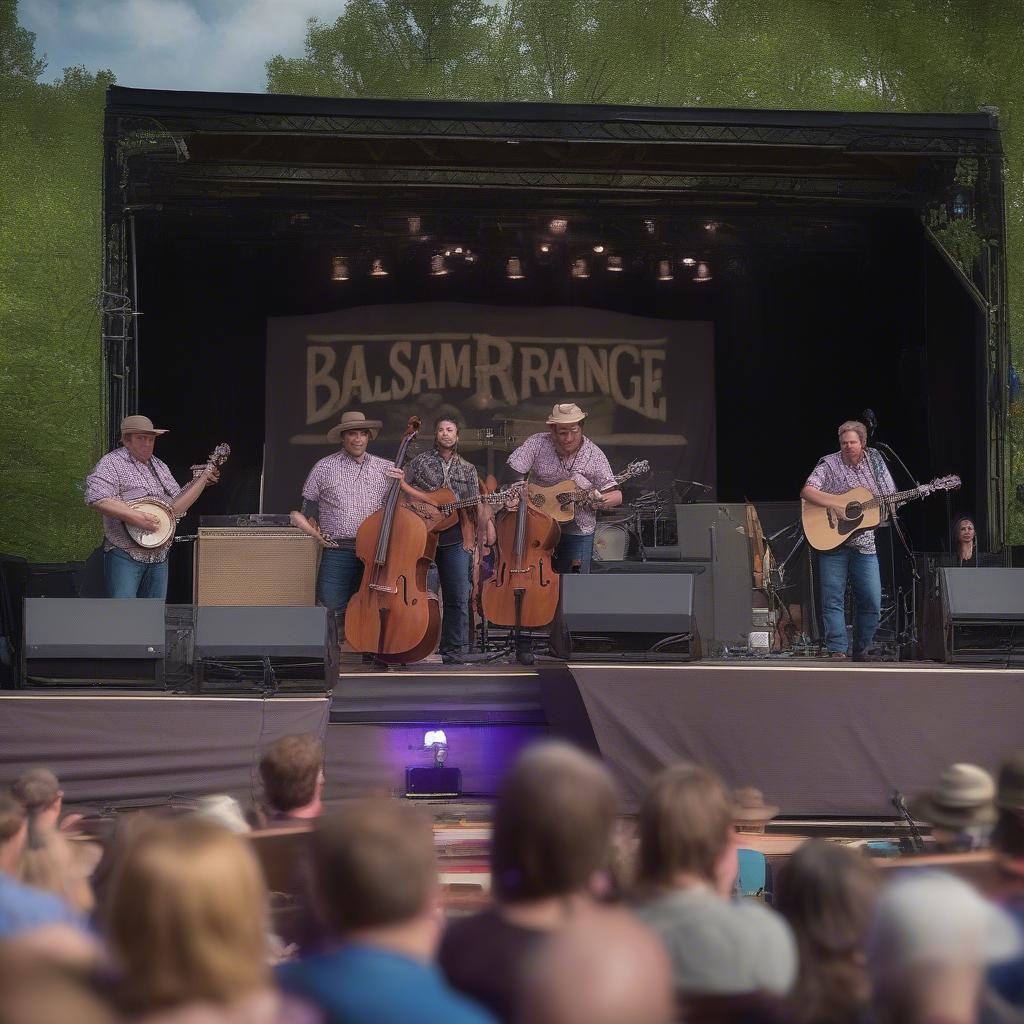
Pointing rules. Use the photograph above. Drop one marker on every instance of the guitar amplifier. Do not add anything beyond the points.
(259, 565)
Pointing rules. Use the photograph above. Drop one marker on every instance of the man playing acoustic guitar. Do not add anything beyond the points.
(129, 472)
(854, 465)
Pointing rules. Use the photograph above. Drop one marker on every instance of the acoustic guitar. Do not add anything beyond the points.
(439, 513)
(825, 529)
(559, 500)
(161, 537)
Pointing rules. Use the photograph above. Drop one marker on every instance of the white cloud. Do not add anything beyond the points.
(218, 45)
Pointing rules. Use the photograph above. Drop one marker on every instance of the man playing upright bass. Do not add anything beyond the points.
(565, 453)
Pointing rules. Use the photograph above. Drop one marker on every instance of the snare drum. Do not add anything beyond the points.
(160, 537)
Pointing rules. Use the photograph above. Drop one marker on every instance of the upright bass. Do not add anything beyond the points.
(393, 615)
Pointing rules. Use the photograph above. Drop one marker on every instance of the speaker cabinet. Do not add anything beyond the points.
(983, 615)
(263, 647)
(622, 616)
(93, 640)
(260, 565)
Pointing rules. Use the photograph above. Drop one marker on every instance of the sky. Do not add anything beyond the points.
(216, 45)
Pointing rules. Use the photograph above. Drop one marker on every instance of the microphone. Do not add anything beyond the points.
(870, 421)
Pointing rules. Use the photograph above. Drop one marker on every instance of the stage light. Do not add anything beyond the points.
(665, 270)
(558, 225)
(377, 269)
(688, 261)
(703, 273)
(415, 223)
(438, 267)
(711, 226)
(599, 248)
(545, 247)
(514, 269)
(649, 226)
(438, 780)
(580, 269)
(615, 264)
(339, 269)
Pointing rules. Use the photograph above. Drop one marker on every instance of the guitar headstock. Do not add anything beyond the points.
(412, 428)
(220, 454)
(944, 483)
(636, 468)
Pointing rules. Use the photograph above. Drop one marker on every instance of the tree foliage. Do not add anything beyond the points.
(912, 55)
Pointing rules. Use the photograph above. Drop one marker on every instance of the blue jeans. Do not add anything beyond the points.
(124, 577)
(573, 547)
(454, 567)
(338, 579)
(834, 567)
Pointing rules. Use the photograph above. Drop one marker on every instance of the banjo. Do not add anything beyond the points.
(161, 537)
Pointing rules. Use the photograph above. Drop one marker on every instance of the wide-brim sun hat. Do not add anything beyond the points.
(140, 425)
(564, 413)
(964, 797)
(353, 420)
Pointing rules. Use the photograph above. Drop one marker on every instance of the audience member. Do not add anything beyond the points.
(827, 893)
(292, 770)
(750, 813)
(29, 918)
(930, 940)
(553, 821)
(40, 991)
(960, 808)
(376, 875)
(603, 968)
(224, 810)
(187, 928)
(39, 792)
(1008, 840)
(686, 874)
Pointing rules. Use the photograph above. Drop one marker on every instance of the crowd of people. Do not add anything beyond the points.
(595, 918)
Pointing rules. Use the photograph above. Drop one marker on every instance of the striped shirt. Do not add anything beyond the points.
(120, 475)
(588, 468)
(346, 491)
(834, 476)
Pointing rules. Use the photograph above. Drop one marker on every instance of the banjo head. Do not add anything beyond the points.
(153, 538)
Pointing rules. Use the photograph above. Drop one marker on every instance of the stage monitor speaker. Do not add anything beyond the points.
(983, 615)
(266, 646)
(98, 641)
(258, 565)
(621, 616)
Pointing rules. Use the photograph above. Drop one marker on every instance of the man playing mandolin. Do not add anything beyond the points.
(854, 465)
(565, 453)
(123, 475)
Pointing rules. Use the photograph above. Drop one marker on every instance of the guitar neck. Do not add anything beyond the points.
(893, 499)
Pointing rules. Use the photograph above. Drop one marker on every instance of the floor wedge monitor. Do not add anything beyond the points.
(983, 615)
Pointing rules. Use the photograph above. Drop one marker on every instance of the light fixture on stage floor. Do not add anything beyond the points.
(599, 248)
(689, 261)
(378, 269)
(339, 269)
(615, 264)
(580, 269)
(665, 270)
(514, 269)
(703, 274)
(558, 225)
(438, 267)
(439, 780)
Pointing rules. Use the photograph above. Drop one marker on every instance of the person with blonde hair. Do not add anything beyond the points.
(186, 924)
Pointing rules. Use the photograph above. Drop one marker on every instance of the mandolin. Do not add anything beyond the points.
(559, 500)
(825, 529)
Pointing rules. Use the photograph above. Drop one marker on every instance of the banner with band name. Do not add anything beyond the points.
(646, 385)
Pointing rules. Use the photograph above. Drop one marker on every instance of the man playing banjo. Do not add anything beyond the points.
(126, 474)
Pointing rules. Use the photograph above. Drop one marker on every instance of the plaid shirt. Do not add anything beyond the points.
(120, 475)
(833, 476)
(588, 468)
(427, 472)
(346, 491)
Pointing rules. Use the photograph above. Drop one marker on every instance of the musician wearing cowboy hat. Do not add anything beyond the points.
(126, 474)
(341, 491)
(565, 453)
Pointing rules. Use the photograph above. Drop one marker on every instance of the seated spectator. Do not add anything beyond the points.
(687, 870)
(928, 945)
(187, 928)
(604, 968)
(750, 813)
(39, 792)
(35, 920)
(960, 808)
(40, 991)
(553, 821)
(376, 879)
(1008, 841)
(292, 770)
(827, 893)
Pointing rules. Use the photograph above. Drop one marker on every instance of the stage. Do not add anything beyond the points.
(821, 740)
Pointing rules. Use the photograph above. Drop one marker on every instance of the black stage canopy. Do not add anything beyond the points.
(828, 242)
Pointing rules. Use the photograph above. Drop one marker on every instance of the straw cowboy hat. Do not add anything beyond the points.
(964, 796)
(139, 425)
(353, 420)
(748, 806)
(565, 412)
